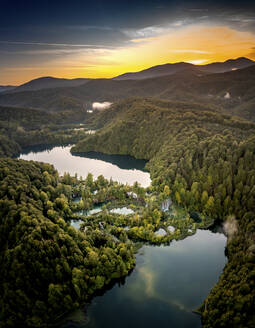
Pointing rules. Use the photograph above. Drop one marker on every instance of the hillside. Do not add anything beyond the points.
(6, 88)
(169, 69)
(56, 99)
(49, 82)
(156, 71)
(23, 127)
(47, 266)
(231, 91)
(227, 66)
(137, 118)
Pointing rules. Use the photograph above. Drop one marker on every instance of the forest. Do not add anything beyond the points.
(147, 217)
(48, 267)
(201, 161)
(207, 161)
(23, 127)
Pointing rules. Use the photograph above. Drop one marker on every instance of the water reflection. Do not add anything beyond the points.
(125, 162)
(123, 169)
(166, 285)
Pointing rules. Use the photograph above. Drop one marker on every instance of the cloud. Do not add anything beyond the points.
(146, 32)
(252, 53)
(198, 9)
(153, 31)
(143, 40)
(150, 32)
(101, 106)
(35, 52)
(190, 51)
(55, 44)
(90, 27)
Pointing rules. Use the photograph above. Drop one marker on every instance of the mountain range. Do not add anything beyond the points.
(227, 86)
(48, 82)
(169, 69)
(7, 88)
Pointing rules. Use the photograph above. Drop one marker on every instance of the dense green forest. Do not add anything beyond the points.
(199, 157)
(207, 161)
(47, 266)
(146, 217)
(22, 127)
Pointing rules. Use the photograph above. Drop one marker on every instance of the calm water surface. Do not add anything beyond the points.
(166, 285)
(124, 169)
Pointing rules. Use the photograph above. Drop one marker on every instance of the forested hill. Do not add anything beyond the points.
(47, 266)
(23, 127)
(231, 91)
(141, 126)
(207, 160)
(49, 82)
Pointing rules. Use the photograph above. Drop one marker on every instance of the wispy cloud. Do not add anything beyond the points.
(198, 9)
(190, 51)
(157, 30)
(143, 40)
(146, 32)
(56, 44)
(39, 68)
(90, 27)
(251, 54)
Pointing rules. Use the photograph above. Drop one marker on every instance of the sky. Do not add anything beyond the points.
(102, 39)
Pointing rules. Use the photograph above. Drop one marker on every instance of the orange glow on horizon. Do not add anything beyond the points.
(194, 44)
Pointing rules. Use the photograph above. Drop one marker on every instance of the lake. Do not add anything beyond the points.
(121, 168)
(167, 283)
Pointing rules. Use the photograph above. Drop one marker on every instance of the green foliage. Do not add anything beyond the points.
(207, 161)
(23, 127)
(8, 147)
(201, 159)
(47, 266)
(231, 301)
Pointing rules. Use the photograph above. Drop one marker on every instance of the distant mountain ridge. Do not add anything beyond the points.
(7, 88)
(228, 65)
(49, 82)
(169, 69)
(156, 71)
(232, 91)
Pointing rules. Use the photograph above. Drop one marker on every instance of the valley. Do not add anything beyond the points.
(172, 157)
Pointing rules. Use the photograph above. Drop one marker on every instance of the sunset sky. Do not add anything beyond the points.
(106, 38)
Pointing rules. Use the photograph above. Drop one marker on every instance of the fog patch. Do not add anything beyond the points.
(230, 227)
(227, 95)
(101, 105)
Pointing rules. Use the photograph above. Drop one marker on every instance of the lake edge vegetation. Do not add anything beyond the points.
(201, 160)
(207, 161)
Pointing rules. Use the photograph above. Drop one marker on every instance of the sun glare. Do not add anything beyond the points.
(197, 61)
